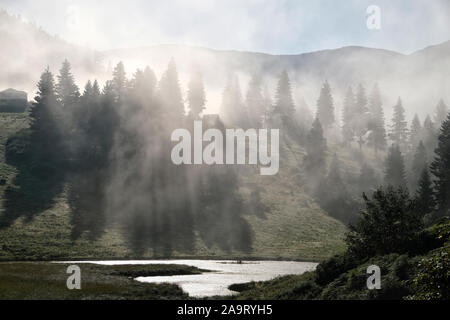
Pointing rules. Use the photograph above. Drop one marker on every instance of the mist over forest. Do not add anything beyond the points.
(100, 125)
(419, 78)
(358, 136)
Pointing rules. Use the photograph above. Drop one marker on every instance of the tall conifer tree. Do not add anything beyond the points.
(399, 126)
(424, 195)
(418, 165)
(196, 96)
(316, 148)
(441, 112)
(325, 107)
(348, 117)
(361, 115)
(284, 107)
(377, 137)
(255, 102)
(441, 169)
(66, 89)
(395, 174)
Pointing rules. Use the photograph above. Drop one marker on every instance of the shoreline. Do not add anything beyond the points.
(166, 258)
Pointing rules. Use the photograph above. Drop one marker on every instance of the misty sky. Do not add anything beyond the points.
(272, 26)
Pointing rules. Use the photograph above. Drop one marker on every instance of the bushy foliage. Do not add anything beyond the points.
(389, 224)
(432, 282)
(330, 269)
(395, 271)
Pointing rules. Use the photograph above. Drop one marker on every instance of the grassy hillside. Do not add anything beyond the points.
(290, 225)
(396, 274)
(401, 278)
(420, 269)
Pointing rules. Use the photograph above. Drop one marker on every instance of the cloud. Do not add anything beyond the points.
(271, 26)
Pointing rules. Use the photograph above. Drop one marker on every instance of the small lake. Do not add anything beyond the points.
(223, 273)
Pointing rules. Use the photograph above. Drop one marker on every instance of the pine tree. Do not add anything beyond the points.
(284, 107)
(440, 168)
(377, 136)
(334, 173)
(96, 89)
(233, 110)
(429, 124)
(429, 135)
(367, 178)
(88, 90)
(316, 149)
(361, 115)
(66, 89)
(170, 93)
(142, 88)
(424, 195)
(119, 82)
(334, 179)
(91, 92)
(82, 113)
(267, 106)
(325, 107)
(196, 96)
(305, 117)
(41, 169)
(90, 149)
(418, 165)
(415, 134)
(441, 112)
(86, 106)
(150, 79)
(107, 119)
(45, 119)
(42, 113)
(332, 193)
(255, 102)
(348, 117)
(108, 91)
(395, 168)
(399, 128)
(136, 82)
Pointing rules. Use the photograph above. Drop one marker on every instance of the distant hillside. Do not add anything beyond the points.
(420, 78)
(27, 50)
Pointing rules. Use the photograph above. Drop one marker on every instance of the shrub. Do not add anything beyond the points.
(433, 279)
(389, 224)
(330, 269)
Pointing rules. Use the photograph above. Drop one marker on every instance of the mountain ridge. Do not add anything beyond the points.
(419, 78)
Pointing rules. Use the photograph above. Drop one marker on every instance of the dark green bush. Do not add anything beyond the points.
(330, 269)
(433, 279)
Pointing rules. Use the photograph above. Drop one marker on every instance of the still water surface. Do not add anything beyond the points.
(223, 273)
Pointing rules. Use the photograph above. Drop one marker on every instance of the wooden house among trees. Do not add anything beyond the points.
(12, 100)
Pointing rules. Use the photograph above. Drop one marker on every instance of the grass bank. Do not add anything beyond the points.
(45, 280)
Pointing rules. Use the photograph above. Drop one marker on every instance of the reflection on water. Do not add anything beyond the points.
(224, 273)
